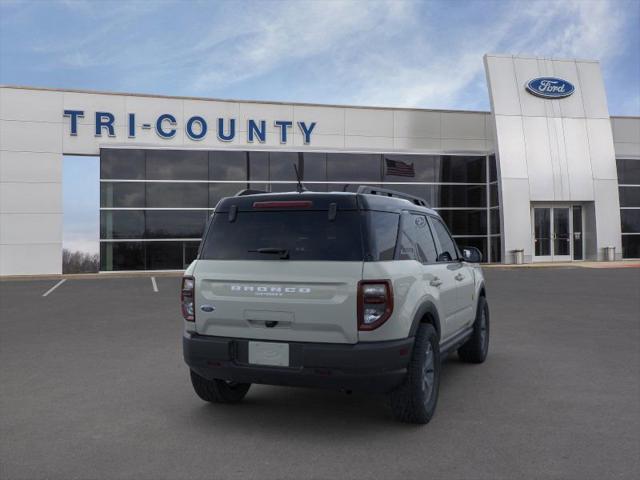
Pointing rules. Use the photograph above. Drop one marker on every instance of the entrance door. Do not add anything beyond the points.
(557, 233)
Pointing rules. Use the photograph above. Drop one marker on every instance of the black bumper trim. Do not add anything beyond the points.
(370, 366)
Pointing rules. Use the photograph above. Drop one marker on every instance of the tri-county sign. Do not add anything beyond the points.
(196, 127)
(550, 87)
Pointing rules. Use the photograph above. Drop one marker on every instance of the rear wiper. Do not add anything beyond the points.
(283, 252)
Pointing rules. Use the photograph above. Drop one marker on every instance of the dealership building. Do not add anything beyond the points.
(546, 175)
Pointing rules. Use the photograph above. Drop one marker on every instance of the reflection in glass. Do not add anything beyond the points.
(561, 233)
(629, 196)
(577, 232)
(345, 167)
(630, 246)
(175, 223)
(121, 224)
(224, 165)
(177, 165)
(465, 222)
(118, 195)
(122, 256)
(124, 164)
(177, 195)
(628, 171)
(542, 231)
(630, 221)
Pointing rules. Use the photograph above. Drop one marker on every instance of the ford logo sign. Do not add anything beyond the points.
(550, 87)
(207, 308)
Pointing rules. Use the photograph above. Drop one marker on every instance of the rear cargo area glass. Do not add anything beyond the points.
(304, 234)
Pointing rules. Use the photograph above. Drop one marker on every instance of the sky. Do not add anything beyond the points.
(386, 53)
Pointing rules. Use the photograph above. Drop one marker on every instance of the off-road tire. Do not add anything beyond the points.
(415, 401)
(218, 391)
(475, 349)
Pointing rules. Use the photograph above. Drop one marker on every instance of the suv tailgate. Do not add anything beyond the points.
(305, 301)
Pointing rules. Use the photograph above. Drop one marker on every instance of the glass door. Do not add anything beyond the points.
(561, 234)
(542, 233)
(557, 233)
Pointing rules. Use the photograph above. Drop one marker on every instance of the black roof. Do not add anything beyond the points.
(322, 200)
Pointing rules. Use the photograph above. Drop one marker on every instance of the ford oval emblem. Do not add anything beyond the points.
(550, 87)
(207, 308)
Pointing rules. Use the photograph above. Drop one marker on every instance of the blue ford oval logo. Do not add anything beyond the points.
(207, 308)
(550, 87)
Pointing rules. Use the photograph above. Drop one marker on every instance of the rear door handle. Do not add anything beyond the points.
(436, 282)
(459, 277)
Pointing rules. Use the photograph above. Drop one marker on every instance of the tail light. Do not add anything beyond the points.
(375, 303)
(187, 298)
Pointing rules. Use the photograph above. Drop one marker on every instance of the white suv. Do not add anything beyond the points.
(361, 291)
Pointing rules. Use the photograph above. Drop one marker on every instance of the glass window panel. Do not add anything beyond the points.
(630, 246)
(629, 196)
(315, 167)
(125, 164)
(121, 224)
(630, 221)
(165, 255)
(479, 242)
(122, 256)
(177, 195)
(426, 247)
(465, 222)
(175, 223)
(494, 217)
(259, 166)
(493, 169)
(346, 167)
(281, 165)
(177, 165)
(447, 247)
(496, 249)
(461, 169)
(119, 195)
(410, 168)
(628, 171)
(443, 196)
(382, 232)
(225, 165)
(493, 193)
(217, 191)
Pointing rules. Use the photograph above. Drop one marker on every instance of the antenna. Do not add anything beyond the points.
(300, 187)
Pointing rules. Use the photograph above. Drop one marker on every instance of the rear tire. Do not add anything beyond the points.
(415, 400)
(475, 349)
(218, 391)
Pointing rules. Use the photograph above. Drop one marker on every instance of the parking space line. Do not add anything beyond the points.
(54, 287)
(154, 284)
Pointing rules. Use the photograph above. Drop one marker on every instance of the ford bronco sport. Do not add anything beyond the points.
(361, 291)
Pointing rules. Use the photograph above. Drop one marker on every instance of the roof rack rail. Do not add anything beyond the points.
(367, 189)
(249, 191)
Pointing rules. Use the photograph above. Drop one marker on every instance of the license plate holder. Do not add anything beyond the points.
(269, 353)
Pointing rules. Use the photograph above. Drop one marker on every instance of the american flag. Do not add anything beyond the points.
(399, 168)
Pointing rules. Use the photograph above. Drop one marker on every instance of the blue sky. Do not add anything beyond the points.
(392, 53)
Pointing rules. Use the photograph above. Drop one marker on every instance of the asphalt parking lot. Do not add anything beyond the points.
(92, 385)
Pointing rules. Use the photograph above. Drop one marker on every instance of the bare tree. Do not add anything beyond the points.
(79, 262)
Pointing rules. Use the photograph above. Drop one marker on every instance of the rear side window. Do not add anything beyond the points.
(447, 250)
(304, 235)
(416, 242)
(382, 233)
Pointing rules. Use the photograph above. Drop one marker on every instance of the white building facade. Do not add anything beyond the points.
(546, 175)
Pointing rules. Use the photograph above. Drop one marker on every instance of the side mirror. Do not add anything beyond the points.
(471, 255)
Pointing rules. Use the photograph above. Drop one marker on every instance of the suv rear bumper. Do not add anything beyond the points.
(368, 367)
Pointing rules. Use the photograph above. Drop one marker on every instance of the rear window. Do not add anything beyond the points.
(304, 235)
